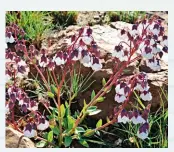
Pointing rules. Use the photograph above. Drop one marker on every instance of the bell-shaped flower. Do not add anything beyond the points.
(146, 95)
(123, 117)
(96, 64)
(42, 123)
(30, 130)
(153, 64)
(85, 58)
(75, 55)
(43, 61)
(9, 38)
(143, 131)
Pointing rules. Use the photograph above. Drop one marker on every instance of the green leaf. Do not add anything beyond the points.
(99, 123)
(96, 142)
(94, 112)
(88, 133)
(84, 143)
(100, 99)
(41, 144)
(92, 108)
(50, 94)
(79, 129)
(107, 119)
(71, 122)
(50, 136)
(92, 94)
(56, 130)
(62, 109)
(68, 141)
(54, 89)
(103, 82)
(84, 103)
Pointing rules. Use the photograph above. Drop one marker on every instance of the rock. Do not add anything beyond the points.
(119, 25)
(96, 17)
(12, 138)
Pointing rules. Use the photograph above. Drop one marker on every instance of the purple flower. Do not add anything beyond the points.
(43, 61)
(146, 95)
(9, 38)
(42, 123)
(123, 117)
(30, 130)
(122, 90)
(153, 64)
(85, 58)
(96, 64)
(143, 131)
(121, 52)
(60, 58)
(75, 55)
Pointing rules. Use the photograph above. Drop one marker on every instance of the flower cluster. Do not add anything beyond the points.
(147, 38)
(15, 66)
(136, 118)
(18, 97)
(123, 89)
(39, 123)
(12, 33)
(82, 47)
(141, 85)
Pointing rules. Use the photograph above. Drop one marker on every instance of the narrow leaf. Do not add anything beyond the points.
(88, 133)
(94, 112)
(91, 109)
(84, 143)
(50, 94)
(50, 136)
(99, 123)
(92, 94)
(100, 99)
(62, 108)
(103, 82)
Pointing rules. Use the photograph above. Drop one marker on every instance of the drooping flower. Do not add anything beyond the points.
(146, 95)
(75, 55)
(122, 90)
(60, 58)
(33, 105)
(96, 64)
(9, 38)
(43, 61)
(136, 118)
(42, 123)
(51, 65)
(153, 64)
(86, 58)
(143, 131)
(123, 117)
(30, 130)
(121, 52)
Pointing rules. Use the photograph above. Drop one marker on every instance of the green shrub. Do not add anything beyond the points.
(34, 23)
(125, 16)
(63, 18)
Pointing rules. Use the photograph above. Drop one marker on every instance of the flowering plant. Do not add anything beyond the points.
(146, 40)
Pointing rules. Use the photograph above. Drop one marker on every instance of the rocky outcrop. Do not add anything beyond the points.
(13, 137)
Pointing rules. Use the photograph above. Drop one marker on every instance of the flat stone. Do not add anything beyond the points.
(12, 139)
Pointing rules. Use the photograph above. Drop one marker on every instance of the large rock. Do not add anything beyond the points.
(12, 139)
